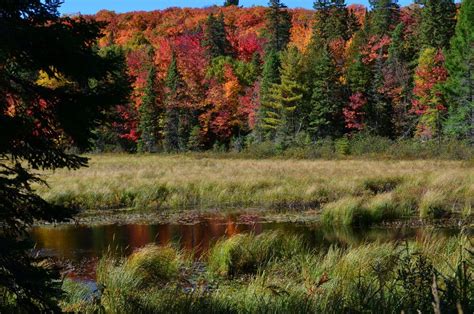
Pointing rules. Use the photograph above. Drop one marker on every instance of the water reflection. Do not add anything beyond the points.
(76, 243)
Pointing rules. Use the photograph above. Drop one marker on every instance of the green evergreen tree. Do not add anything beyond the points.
(283, 117)
(332, 20)
(173, 97)
(231, 2)
(326, 103)
(460, 84)
(48, 120)
(438, 20)
(270, 76)
(215, 37)
(381, 22)
(379, 108)
(383, 17)
(278, 26)
(148, 115)
(399, 75)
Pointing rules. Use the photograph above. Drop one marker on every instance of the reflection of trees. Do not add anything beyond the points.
(78, 242)
(162, 234)
(139, 235)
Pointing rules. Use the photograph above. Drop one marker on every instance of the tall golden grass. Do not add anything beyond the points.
(379, 189)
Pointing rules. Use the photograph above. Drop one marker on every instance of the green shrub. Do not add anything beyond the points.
(342, 146)
(261, 150)
(367, 145)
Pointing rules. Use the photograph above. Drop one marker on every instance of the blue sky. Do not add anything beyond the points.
(92, 6)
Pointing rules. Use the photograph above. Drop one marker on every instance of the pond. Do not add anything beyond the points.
(80, 246)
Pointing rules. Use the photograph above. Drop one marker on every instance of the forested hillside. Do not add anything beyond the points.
(229, 77)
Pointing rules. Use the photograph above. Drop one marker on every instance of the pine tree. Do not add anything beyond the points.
(148, 115)
(283, 116)
(231, 2)
(215, 37)
(460, 84)
(174, 86)
(278, 26)
(437, 23)
(379, 110)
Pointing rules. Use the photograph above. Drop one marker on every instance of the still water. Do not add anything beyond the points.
(83, 245)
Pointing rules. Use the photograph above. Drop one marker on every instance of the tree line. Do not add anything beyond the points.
(288, 75)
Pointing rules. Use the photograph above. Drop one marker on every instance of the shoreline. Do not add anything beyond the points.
(241, 216)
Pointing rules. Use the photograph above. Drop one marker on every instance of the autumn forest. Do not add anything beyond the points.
(228, 77)
(232, 159)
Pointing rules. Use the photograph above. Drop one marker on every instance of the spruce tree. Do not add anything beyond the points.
(326, 103)
(215, 37)
(460, 84)
(437, 23)
(325, 97)
(278, 32)
(148, 115)
(173, 97)
(278, 26)
(39, 122)
(383, 17)
(332, 20)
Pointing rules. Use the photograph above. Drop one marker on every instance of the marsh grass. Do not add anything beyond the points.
(123, 280)
(376, 189)
(269, 273)
(78, 297)
(247, 253)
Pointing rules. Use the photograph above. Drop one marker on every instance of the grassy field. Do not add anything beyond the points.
(278, 273)
(347, 191)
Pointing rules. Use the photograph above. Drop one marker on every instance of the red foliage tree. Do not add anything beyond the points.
(354, 112)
